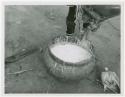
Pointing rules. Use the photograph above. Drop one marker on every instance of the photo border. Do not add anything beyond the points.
(57, 2)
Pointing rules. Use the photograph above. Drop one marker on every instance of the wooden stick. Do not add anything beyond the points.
(19, 72)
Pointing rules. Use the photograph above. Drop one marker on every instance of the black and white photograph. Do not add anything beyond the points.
(62, 49)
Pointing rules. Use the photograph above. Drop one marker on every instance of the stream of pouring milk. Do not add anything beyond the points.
(70, 53)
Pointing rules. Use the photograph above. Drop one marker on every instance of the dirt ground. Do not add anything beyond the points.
(27, 26)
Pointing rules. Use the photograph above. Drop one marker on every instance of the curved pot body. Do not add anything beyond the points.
(65, 70)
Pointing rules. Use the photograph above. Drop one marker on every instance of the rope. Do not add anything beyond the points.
(112, 25)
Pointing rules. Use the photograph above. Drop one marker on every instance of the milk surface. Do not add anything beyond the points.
(70, 53)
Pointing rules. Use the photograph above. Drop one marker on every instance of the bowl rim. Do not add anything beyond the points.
(62, 62)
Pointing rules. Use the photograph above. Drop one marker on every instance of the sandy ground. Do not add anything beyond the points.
(27, 26)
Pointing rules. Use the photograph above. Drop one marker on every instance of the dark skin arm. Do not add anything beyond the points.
(70, 20)
(104, 11)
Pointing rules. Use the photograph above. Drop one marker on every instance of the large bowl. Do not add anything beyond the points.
(69, 70)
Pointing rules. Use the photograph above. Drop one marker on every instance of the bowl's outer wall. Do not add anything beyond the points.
(68, 72)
